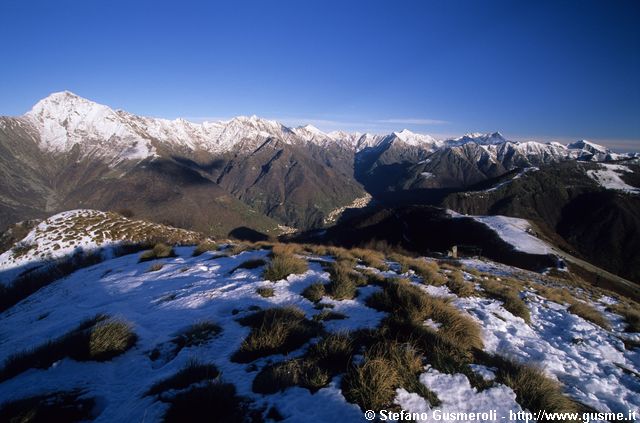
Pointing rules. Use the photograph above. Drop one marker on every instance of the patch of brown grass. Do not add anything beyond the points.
(265, 292)
(343, 281)
(274, 331)
(589, 313)
(314, 292)
(283, 265)
(459, 286)
(204, 247)
(160, 250)
(508, 295)
(534, 390)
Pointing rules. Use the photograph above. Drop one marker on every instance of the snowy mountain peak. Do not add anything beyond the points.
(587, 145)
(413, 139)
(65, 119)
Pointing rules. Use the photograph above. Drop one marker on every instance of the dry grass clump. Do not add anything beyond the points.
(284, 263)
(191, 373)
(314, 292)
(371, 258)
(534, 390)
(344, 281)
(387, 366)
(215, 402)
(297, 372)
(328, 315)
(372, 385)
(330, 356)
(630, 312)
(95, 339)
(109, 339)
(160, 250)
(235, 249)
(409, 303)
(155, 267)
(250, 264)
(54, 407)
(265, 292)
(428, 271)
(557, 295)
(450, 348)
(205, 246)
(196, 334)
(509, 296)
(274, 331)
(589, 313)
(459, 286)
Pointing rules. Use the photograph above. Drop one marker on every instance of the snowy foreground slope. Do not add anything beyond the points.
(159, 299)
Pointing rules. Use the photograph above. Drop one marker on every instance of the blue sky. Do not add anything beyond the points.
(549, 70)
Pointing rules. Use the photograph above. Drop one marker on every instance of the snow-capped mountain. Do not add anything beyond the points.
(63, 120)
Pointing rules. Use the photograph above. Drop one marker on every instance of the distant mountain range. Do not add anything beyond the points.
(253, 174)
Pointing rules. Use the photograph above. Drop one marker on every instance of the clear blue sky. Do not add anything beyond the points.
(530, 69)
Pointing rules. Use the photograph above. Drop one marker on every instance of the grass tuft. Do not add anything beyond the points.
(95, 339)
(459, 286)
(160, 250)
(265, 292)
(191, 373)
(204, 247)
(589, 313)
(53, 407)
(534, 390)
(283, 264)
(343, 281)
(274, 331)
(314, 292)
(509, 296)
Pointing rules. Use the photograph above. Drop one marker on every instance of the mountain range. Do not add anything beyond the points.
(253, 175)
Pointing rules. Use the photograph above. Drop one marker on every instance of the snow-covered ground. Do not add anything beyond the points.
(512, 230)
(75, 231)
(593, 364)
(608, 176)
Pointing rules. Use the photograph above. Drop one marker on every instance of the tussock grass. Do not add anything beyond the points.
(509, 296)
(589, 313)
(191, 373)
(534, 390)
(215, 402)
(109, 339)
(160, 250)
(372, 385)
(314, 292)
(330, 356)
(557, 295)
(328, 315)
(450, 348)
(344, 281)
(284, 263)
(95, 339)
(428, 271)
(196, 334)
(204, 247)
(250, 264)
(274, 331)
(630, 312)
(54, 407)
(265, 292)
(371, 258)
(155, 267)
(236, 249)
(459, 286)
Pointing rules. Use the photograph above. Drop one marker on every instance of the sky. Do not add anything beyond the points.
(544, 70)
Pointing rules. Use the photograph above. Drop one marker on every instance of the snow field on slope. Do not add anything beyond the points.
(189, 290)
(608, 176)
